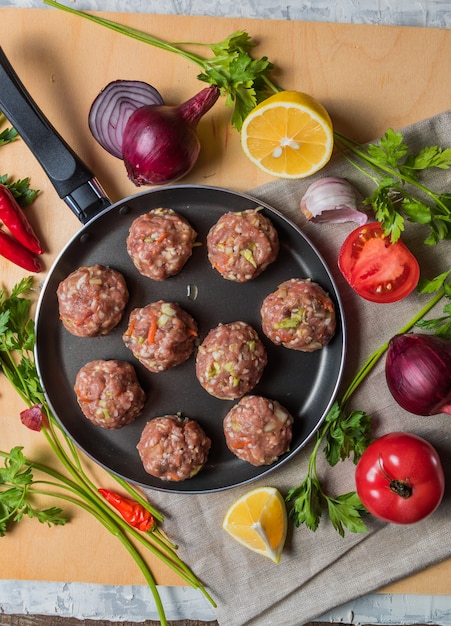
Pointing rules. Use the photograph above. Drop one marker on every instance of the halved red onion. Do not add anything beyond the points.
(112, 108)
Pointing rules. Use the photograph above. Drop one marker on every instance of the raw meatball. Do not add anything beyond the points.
(160, 243)
(91, 300)
(172, 448)
(241, 245)
(109, 393)
(230, 360)
(258, 430)
(299, 315)
(161, 335)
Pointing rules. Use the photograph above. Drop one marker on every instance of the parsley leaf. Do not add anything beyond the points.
(430, 156)
(7, 136)
(238, 75)
(307, 503)
(16, 494)
(20, 189)
(346, 436)
(390, 149)
(346, 511)
(440, 326)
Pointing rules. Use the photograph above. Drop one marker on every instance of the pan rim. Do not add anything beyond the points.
(205, 189)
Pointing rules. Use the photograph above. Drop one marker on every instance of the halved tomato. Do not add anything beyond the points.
(377, 269)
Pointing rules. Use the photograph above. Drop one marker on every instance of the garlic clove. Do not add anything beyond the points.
(332, 199)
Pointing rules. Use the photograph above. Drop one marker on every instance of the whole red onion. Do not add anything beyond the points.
(418, 373)
(160, 143)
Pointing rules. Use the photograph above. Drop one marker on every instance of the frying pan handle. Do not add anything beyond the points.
(73, 181)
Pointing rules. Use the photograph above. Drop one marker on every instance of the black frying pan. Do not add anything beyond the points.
(306, 384)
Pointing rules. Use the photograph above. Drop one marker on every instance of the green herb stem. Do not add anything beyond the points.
(132, 32)
(377, 166)
(139, 498)
(84, 491)
(115, 529)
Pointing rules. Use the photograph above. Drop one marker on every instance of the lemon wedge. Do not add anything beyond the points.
(258, 521)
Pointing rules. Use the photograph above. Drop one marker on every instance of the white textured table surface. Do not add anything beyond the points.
(429, 13)
(119, 603)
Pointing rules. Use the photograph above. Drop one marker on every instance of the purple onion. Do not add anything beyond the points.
(160, 143)
(112, 108)
(418, 373)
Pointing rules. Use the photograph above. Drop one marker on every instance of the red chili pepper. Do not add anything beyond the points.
(14, 251)
(133, 512)
(13, 217)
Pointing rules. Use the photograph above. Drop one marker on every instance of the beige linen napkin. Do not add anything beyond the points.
(319, 571)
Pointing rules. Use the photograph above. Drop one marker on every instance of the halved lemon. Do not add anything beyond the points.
(258, 520)
(288, 135)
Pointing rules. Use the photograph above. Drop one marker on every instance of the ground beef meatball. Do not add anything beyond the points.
(173, 448)
(241, 245)
(258, 430)
(299, 315)
(91, 300)
(160, 243)
(230, 360)
(109, 393)
(160, 335)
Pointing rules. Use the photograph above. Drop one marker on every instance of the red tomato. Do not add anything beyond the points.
(399, 478)
(378, 270)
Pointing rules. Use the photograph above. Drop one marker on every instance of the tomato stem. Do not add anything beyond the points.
(401, 488)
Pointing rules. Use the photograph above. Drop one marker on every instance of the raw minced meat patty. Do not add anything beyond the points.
(160, 243)
(91, 300)
(258, 430)
(241, 245)
(161, 335)
(299, 315)
(109, 393)
(173, 448)
(230, 360)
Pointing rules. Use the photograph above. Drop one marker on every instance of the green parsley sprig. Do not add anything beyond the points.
(347, 434)
(399, 193)
(20, 489)
(243, 80)
(17, 491)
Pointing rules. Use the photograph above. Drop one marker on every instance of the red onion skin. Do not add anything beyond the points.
(418, 373)
(160, 143)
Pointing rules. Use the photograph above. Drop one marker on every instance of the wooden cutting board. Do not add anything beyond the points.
(368, 77)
